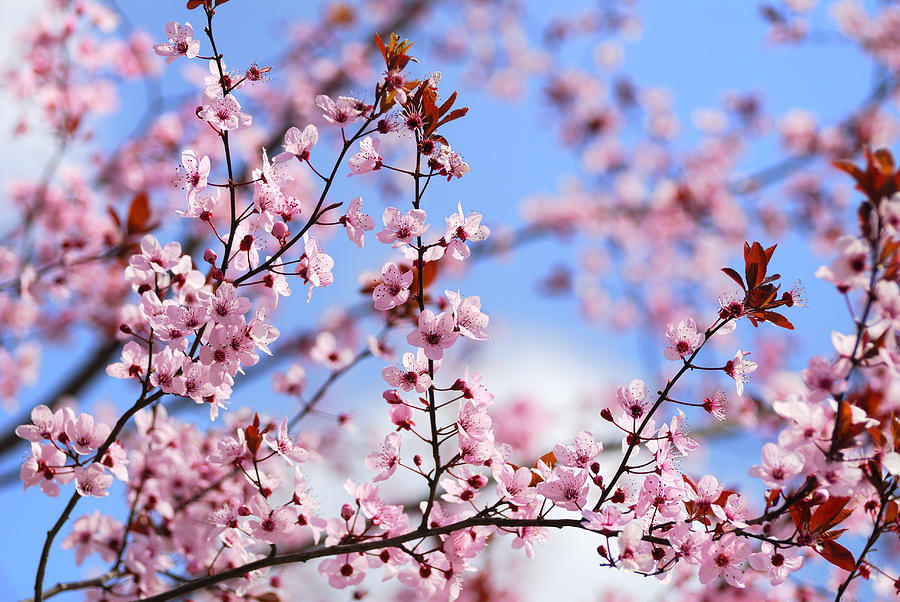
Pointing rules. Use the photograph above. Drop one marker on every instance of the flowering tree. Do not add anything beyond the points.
(185, 281)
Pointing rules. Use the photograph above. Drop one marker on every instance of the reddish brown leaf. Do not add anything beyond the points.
(836, 554)
(828, 514)
(735, 276)
(549, 459)
(138, 214)
(778, 320)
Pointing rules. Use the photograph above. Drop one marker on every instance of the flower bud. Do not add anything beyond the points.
(606, 414)
(209, 256)
(347, 512)
(280, 230)
(392, 396)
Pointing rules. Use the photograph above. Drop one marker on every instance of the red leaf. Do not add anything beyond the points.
(138, 214)
(828, 514)
(735, 276)
(778, 320)
(836, 554)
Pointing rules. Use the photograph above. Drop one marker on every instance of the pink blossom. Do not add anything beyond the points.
(92, 481)
(356, 222)
(461, 229)
(683, 339)
(739, 369)
(849, 270)
(716, 405)
(386, 460)
(224, 112)
(341, 112)
(155, 257)
(401, 228)
(778, 467)
(284, 445)
(225, 306)
(394, 287)
(724, 559)
(581, 453)
(414, 373)
(181, 42)
(824, 378)
(84, 436)
(367, 159)
(634, 552)
(434, 334)
(315, 266)
(44, 425)
(193, 172)
(327, 352)
(134, 362)
(45, 467)
(292, 382)
(298, 144)
(633, 399)
(93, 533)
(470, 320)
(344, 571)
(566, 488)
(779, 563)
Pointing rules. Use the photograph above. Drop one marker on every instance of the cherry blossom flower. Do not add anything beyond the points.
(634, 552)
(434, 334)
(393, 289)
(341, 112)
(84, 437)
(367, 159)
(461, 229)
(581, 453)
(344, 571)
(134, 362)
(284, 445)
(470, 320)
(224, 112)
(298, 144)
(92, 533)
(275, 525)
(716, 405)
(292, 382)
(327, 352)
(193, 172)
(849, 270)
(566, 488)
(448, 163)
(683, 339)
(386, 460)
(45, 467)
(778, 563)
(778, 467)
(401, 227)
(225, 306)
(356, 222)
(44, 424)
(414, 373)
(230, 449)
(724, 559)
(633, 399)
(181, 42)
(155, 257)
(92, 481)
(739, 369)
(315, 266)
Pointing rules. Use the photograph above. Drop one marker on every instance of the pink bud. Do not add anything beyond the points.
(347, 512)
(392, 396)
(209, 256)
(280, 230)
